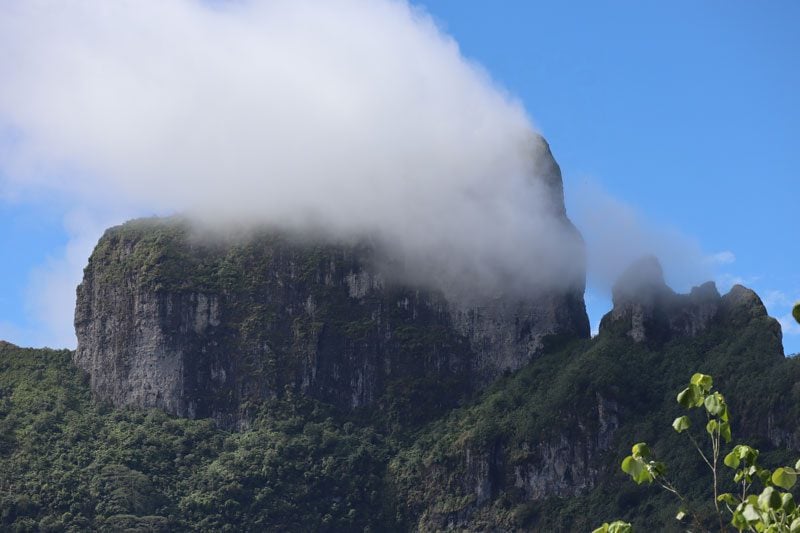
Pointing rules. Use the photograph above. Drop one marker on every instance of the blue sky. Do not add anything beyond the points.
(683, 115)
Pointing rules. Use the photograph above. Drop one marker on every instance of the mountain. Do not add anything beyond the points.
(538, 450)
(273, 382)
(209, 327)
(541, 448)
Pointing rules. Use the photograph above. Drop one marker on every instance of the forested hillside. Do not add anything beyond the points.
(539, 450)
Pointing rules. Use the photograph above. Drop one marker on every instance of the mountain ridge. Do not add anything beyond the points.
(271, 380)
(537, 450)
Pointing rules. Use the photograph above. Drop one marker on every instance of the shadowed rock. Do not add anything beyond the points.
(647, 310)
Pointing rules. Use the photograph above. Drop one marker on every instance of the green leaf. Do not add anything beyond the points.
(787, 503)
(629, 464)
(698, 394)
(703, 381)
(620, 527)
(725, 431)
(739, 521)
(657, 469)
(712, 427)
(714, 404)
(640, 450)
(614, 527)
(681, 515)
(681, 424)
(691, 396)
(796, 311)
(732, 459)
(727, 498)
(747, 454)
(769, 499)
(784, 478)
(795, 526)
(637, 470)
(685, 398)
(797, 465)
(644, 477)
(750, 513)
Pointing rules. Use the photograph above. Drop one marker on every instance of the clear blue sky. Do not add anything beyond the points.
(687, 111)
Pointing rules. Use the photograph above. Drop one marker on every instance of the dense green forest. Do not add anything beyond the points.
(70, 464)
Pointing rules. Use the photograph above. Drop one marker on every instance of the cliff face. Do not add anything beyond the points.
(200, 330)
(559, 427)
(205, 329)
(167, 319)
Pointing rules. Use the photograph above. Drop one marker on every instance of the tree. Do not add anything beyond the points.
(771, 510)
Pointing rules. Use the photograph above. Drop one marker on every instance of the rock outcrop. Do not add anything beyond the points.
(647, 310)
(207, 329)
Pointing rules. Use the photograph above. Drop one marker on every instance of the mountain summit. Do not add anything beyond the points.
(206, 327)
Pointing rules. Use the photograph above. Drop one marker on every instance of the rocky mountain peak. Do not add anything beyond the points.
(641, 283)
(546, 169)
(647, 310)
(742, 298)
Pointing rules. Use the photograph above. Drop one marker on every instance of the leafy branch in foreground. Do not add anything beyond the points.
(772, 510)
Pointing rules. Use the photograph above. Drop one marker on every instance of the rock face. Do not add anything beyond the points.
(647, 310)
(164, 322)
(560, 464)
(205, 329)
(650, 343)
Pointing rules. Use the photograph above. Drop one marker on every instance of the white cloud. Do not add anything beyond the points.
(617, 234)
(721, 258)
(51, 287)
(357, 116)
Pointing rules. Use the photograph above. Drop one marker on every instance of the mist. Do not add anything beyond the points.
(617, 234)
(342, 119)
(358, 117)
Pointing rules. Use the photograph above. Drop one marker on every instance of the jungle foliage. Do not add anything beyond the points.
(68, 463)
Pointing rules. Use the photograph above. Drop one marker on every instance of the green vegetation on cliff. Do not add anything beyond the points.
(251, 315)
(560, 408)
(539, 450)
(69, 464)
